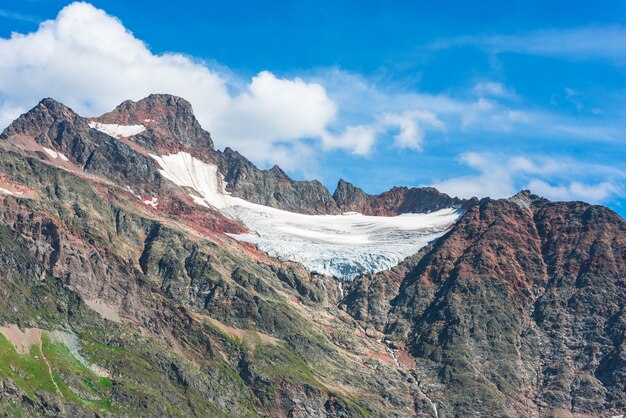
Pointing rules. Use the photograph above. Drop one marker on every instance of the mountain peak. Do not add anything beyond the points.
(349, 197)
(50, 103)
(153, 108)
(527, 199)
(37, 122)
(169, 121)
(159, 103)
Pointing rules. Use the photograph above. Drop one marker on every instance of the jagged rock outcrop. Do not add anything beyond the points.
(57, 128)
(273, 187)
(170, 124)
(350, 198)
(396, 201)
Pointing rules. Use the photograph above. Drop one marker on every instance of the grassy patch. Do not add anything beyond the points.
(28, 371)
(280, 362)
(77, 382)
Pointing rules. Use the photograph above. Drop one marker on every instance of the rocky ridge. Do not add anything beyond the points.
(168, 117)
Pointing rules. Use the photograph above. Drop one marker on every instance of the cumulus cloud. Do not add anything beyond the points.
(278, 113)
(500, 176)
(91, 62)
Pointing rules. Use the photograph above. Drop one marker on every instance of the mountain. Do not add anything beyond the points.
(146, 273)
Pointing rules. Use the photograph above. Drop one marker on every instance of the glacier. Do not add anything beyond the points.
(344, 246)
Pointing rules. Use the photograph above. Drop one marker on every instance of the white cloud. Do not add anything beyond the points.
(491, 88)
(274, 112)
(487, 109)
(501, 176)
(593, 193)
(492, 180)
(358, 138)
(88, 60)
(411, 127)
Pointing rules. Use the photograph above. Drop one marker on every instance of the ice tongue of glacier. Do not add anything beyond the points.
(343, 246)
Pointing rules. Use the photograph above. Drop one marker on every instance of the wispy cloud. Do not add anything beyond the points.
(19, 16)
(497, 175)
(587, 42)
(492, 89)
(486, 107)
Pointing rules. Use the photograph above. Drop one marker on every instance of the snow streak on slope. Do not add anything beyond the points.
(188, 171)
(55, 154)
(343, 246)
(117, 131)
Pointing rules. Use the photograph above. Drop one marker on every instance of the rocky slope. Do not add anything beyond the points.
(125, 297)
(519, 310)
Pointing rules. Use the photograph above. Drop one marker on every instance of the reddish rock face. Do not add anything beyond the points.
(170, 125)
(520, 305)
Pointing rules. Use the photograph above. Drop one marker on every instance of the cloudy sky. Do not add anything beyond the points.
(475, 99)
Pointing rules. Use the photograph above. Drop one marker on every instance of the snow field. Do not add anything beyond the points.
(343, 246)
(54, 154)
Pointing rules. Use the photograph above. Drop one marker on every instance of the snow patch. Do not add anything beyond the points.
(54, 154)
(133, 193)
(187, 171)
(343, 246)
(5, 191)
(151, 201)
(117, 131)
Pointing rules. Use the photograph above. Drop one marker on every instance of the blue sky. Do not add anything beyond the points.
(475, 98)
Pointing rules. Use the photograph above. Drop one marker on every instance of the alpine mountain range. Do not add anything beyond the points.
(143, 272)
